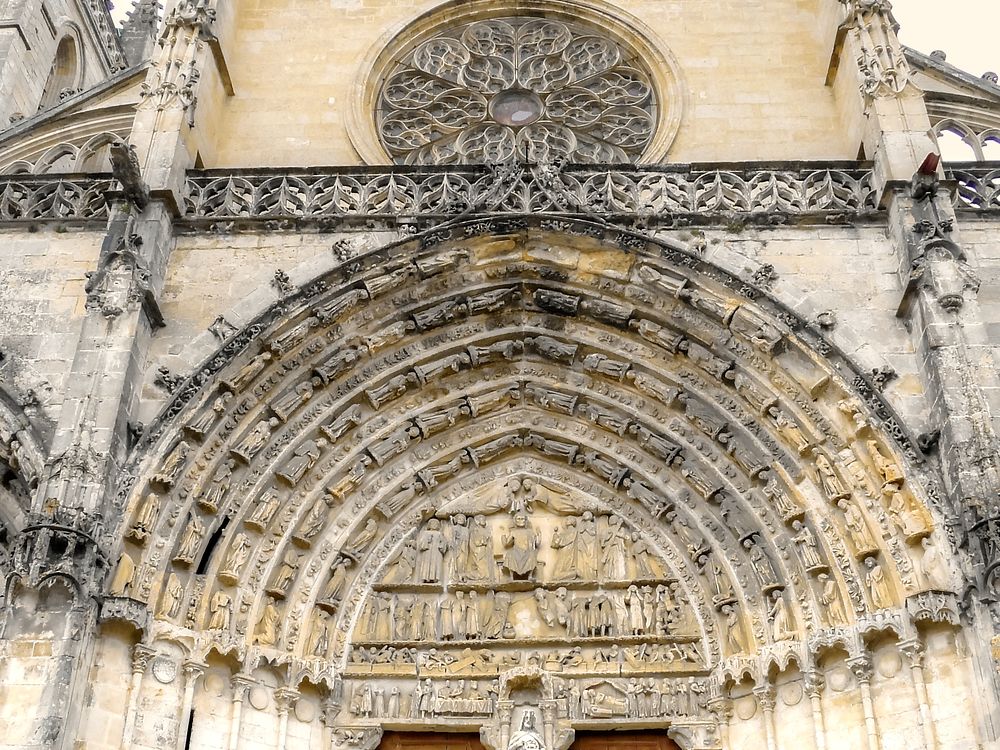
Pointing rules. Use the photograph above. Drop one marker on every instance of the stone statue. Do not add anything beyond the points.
(256, 439)
(266, 631)
(172, 465)
(734, 629)
(782, 626)
(239, 553)
(302, 460)
(459, 547)
(338, 577)
(264, 510)
(760, 563)
(858, 530)
(643, 557)
(209, 417)
(585, 549)
(903, 514)
(312, 524)
(320, 642)
(190, 540)
(248, 372)
(829, 597)
(527, 737)
(481, 566)
(933, 566)
(614, 555)
(403, 567)
(431, 546)
(878, 585)
(829, 481)
(808, 548)
(521, 543)
(563, 541)
(792, 433)
(173, 594)
(363, 539)
(220, 607)
(285, 573)
(145, 517)
(124, 579)
(887, 468)
(212, 495)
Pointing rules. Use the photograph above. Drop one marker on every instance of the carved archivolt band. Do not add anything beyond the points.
(468, 83)
(438, 464)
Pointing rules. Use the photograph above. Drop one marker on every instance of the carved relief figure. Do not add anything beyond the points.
(782, 626)
(285, 573)
(190, 540)
(248, 372)
(808, 547)
(431, 545)
(264, 510)
(172, 465)
(212, 495)
(239, 553)
(173, 595)
(302, 460)
(204, 422)
(256, 439)
(220, 607)
(363, 539)
(564, 543)
(338, 578)
(521, 543)
(861, 536)
(459, 547)
(878, 585)
(886, 467)
(903, 514)
(145, 517)
(829, 597)
(614, 555)
(265, 632)
(121, 584)
(833, 488)
(481, 566)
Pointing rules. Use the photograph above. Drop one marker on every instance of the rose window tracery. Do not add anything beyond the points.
(531, 89)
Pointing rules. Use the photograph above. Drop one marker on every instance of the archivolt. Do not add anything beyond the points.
(626, 374)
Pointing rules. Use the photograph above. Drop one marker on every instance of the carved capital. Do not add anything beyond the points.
(814, 683)
(356, 738)
(193, 670)
(241, 685)
(914, 650)
(285, 698)
(861, 667)
(141, 656)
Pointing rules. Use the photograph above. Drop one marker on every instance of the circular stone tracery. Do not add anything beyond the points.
(528, 88)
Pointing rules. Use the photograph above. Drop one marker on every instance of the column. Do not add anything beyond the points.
(141, 656)
(723, 708)
(913, 649)
(765, 696)
(284, 698)
(241, 684)
(814, 682)
(861, 666)
(192, 671)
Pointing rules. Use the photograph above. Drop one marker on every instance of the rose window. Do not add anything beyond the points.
(508, 89)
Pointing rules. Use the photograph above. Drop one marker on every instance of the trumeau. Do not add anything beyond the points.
(528, 370)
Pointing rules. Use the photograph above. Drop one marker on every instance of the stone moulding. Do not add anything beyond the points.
(678, 195)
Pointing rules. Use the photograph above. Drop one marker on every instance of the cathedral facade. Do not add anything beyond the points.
(513, 375)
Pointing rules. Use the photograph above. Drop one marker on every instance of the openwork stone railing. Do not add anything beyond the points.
(343, 197)
(978, 187)
(48, 197)
(384, 193)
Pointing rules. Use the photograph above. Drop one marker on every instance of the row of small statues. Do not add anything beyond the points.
(636, 611)
(586, 547)
(468, 660)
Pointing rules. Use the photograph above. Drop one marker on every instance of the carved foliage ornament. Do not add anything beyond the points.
(517, 88)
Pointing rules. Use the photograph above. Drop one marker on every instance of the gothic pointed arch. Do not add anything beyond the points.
(530, 466)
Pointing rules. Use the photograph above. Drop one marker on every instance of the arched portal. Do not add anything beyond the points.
(526, 480)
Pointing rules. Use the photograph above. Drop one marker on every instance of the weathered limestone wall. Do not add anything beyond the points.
(981, 241)
(749, 96)
(42, 299)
